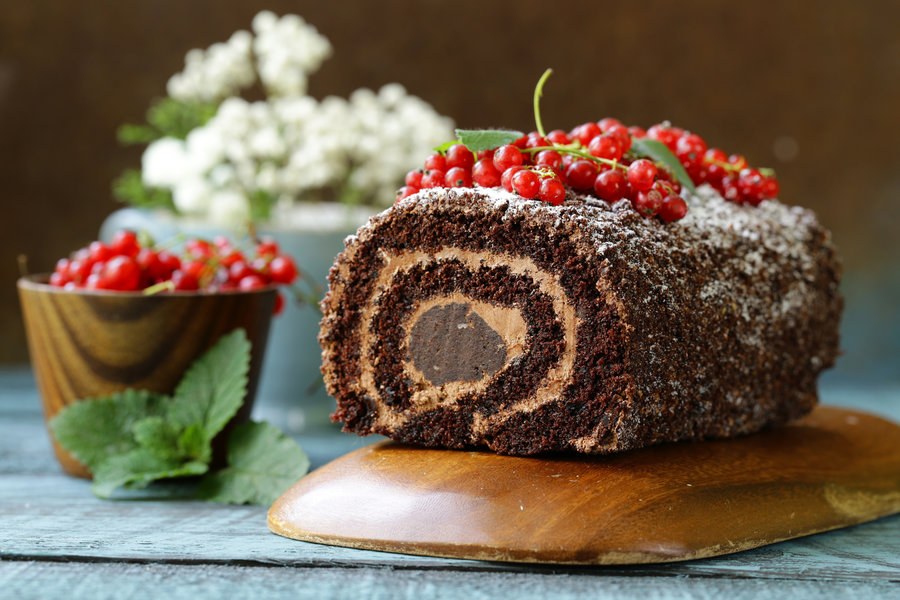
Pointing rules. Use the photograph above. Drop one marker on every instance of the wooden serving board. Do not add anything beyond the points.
(831, 469)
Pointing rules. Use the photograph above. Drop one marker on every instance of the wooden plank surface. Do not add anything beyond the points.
(190, 582)
(53, 529)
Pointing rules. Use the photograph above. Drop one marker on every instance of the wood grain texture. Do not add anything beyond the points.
(831, 469)
(96, 581)
(57, 539)
(85, 344)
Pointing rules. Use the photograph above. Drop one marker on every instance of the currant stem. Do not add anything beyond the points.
(576, 152)
(538, 91)
(162, 286)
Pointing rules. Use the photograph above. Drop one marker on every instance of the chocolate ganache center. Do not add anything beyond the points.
(454, 343)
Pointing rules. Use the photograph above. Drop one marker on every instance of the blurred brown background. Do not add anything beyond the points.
(811, 88)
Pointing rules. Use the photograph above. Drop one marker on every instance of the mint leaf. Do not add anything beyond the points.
(158, 436)
(192, 443)
(213, 388)
(92, 430)
(659, 152)
(477, 140)
(137, 469)
(262, 463)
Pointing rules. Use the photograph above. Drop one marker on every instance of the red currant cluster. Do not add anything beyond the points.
(596, 157)
(218, 266)
(730, 175)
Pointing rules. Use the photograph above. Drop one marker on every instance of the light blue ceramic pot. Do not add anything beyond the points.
(291, 393)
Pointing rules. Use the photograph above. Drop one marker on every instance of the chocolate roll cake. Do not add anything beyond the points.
(473, 317)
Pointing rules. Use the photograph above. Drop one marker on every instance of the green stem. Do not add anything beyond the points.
(538, 90)
(569, 149)
(162, 286)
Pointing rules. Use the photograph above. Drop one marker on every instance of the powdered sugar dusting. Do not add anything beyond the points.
(750, 246)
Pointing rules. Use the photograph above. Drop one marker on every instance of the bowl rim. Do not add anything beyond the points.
(39, 282)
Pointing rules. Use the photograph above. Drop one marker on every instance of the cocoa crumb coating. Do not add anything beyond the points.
(636, 332)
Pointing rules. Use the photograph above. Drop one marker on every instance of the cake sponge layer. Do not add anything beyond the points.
(472, 317)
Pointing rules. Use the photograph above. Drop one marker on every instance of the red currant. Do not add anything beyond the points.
(506, 178)
(770, 188)
(673, 208)
(690, 148)
(414, 178)
(267, 247)
(251, 282)
(637, 132)
(667, 135)
(581, 174)
(485, 174)
(608, 122)
(535, 140)
(611, 185)
(199, 249)
(648, 203)
(125, 243)
(526, 183)
(549, 159)
(436, 162)
(620, 132)
(405, 192)
(433, 178)
(558, 136)
(506, 157)
(606, 146)
(641, 174)
(99, 252)
(184, 282)
(279, 304)
(460, 156)
(282, 269)
(552, 191)
(458, 177)
(485, 154)
(121, 273)
(585, 132)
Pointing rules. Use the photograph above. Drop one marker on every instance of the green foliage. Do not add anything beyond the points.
(213, 388)
(261, 203)
(135, 437)
(262, 463)
(477, 140)
(659, 152)
(168, 117)
(93, 429)
(130, 189)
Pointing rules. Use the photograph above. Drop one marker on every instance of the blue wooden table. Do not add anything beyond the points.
(58, 540)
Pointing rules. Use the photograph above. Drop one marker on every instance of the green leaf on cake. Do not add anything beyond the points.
(262, 463)
(446, 145)
(659, 152)
(477, 140)
(213, 388)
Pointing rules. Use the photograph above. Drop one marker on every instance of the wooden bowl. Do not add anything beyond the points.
(86, 343)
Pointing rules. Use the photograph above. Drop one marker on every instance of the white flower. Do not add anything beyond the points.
(164, 163)
(218, 72)
(229, 207)
(192, 195)
(290, 145)
(287, 51)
